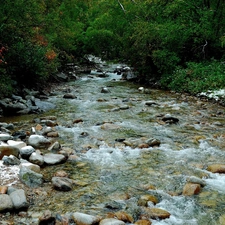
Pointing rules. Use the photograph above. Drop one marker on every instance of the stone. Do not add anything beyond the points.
(55, 147)
(109, 126)
(38, 141)
(127, 218)
(11, 160)
(5, 203)
(156, 213)
(36, 158)
(52, 159)
(191, 189)
(84, 219)
(216, 168)
(3, 189)
(30, 178)
(69, 96)
(79, 120)
(62, 183)
(5, 137)
(196, 180)
(105, 90)
(19, 199)
(146, 198)
(30, 166)
(61, 173)
(47, 218)
(124, 107)
(153, 142)
(111, 221)
(53, 134)
(50, 123)
(25, 152)
(8, 150)
(143, 222)
(18, 144)
(170, 119)
(151, 103)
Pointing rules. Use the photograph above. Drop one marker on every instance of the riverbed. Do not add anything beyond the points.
(109, 169)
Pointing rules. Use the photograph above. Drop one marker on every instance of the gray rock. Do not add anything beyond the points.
(36, 158)
(25, 152)
(69, 96)
(62, 183)
(29, 165)
(151, 103)
(44, 105)
(30, 178)
(5, 137)
(153, 142)
(38, 141)
(47, 218)
(124, 107)
(19, 199)
(10, 190)
(52, 159)
(82, 218)
(55, 147)
(170, 119)
(111, 221)
(10, 160)
(196, 180)
(5, 203)
(105, 90)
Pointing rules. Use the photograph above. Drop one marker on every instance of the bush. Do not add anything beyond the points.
(5, 84)
(196, 77)
(27, 63)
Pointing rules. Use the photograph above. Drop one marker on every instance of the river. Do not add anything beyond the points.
(109, 170)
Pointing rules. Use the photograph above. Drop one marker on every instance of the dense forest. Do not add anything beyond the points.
(178, 43)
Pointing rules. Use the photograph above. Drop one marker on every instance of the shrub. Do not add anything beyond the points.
(196, 77)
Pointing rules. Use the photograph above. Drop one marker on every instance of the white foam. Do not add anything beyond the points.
(214, 94)
(9, 174)
(216, 182)
(111, 157)
(182, 210)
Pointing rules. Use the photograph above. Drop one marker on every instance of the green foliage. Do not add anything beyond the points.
(27, 63)
(196, 77)
(99, 42)
(5, 84)
(159, 38)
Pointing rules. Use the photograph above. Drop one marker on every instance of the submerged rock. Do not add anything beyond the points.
(62, 183)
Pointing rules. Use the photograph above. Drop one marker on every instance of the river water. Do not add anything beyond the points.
(108, 171)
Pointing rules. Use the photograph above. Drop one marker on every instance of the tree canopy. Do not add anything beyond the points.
(168, 41)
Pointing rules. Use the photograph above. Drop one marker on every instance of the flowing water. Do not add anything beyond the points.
(107, 170)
